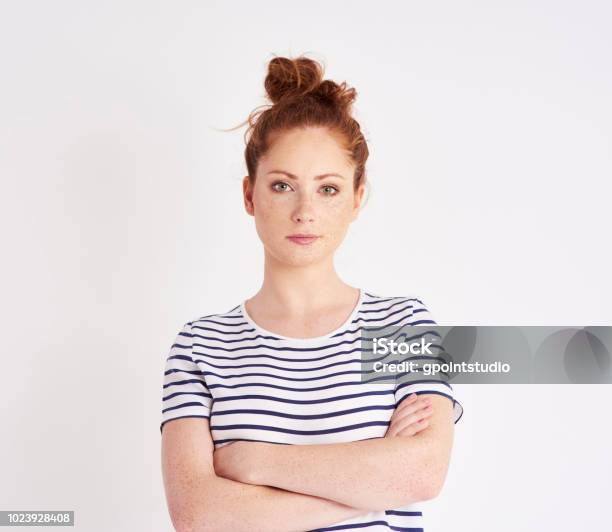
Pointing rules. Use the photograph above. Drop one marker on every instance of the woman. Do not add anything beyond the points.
(271, 428)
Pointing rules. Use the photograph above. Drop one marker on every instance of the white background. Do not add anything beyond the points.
(489, 126)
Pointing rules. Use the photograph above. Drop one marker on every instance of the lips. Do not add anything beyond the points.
(303, 240)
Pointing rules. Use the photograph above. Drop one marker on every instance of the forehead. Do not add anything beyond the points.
(307, 151)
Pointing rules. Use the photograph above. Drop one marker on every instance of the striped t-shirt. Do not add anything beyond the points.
(256, 385)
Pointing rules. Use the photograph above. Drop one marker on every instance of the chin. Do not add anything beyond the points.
(297, 257)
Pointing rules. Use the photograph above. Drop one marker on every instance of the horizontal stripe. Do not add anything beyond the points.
(367, 524)
(296, 416)
(254, 386)
(290, 431)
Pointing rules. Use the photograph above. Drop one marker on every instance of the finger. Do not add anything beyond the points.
(411, 402)
(413, 419)
(414, 415)
(421, 406)
(412, 399)
(409, 429)
(413, 429)
(409, 417)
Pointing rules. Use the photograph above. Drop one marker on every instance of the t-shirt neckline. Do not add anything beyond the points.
(313, 339)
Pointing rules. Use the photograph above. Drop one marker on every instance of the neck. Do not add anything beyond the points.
(297, 290)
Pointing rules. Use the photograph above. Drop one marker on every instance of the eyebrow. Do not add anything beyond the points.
(292, 176)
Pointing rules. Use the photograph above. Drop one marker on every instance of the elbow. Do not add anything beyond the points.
(195, 525)
(424, 491)
(182, 527)
(404, 494)
(432, 477)
(201, 508)
(201, 520)
(432, 483)
(419, 488)
(423, 487)
(430, 490)
(209, 520)
(417, 493)
(188, 523)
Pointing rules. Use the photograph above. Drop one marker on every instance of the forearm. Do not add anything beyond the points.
(224, 504)
(372, 475)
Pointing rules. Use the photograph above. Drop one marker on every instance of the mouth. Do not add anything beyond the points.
(302, 239)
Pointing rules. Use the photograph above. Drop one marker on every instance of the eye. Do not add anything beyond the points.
(276, 186)
(329, 190)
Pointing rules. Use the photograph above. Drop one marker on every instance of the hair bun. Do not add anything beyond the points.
(301, 98)
(339, 94)
(294, 78)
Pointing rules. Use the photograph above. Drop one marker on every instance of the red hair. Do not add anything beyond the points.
(301, 98)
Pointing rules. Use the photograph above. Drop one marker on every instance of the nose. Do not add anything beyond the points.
(303, 210)
(303, 218)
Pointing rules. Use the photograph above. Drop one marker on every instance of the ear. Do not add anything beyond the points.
(247, 193)
(359, 193)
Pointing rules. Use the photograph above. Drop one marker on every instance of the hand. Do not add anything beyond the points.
(236, 461)
(410, 417)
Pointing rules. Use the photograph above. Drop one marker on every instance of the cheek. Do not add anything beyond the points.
(336, 216)
(268, 208)
(269, 212)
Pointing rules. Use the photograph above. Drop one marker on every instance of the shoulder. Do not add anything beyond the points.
(410, 307)
(218, 321)
(218, 331)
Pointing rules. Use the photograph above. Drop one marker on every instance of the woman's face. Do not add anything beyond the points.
(291, 198)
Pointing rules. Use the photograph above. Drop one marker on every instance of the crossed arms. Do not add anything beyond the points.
(264, 486)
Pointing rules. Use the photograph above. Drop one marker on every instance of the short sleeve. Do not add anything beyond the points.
(185, 393)
(422, 384)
